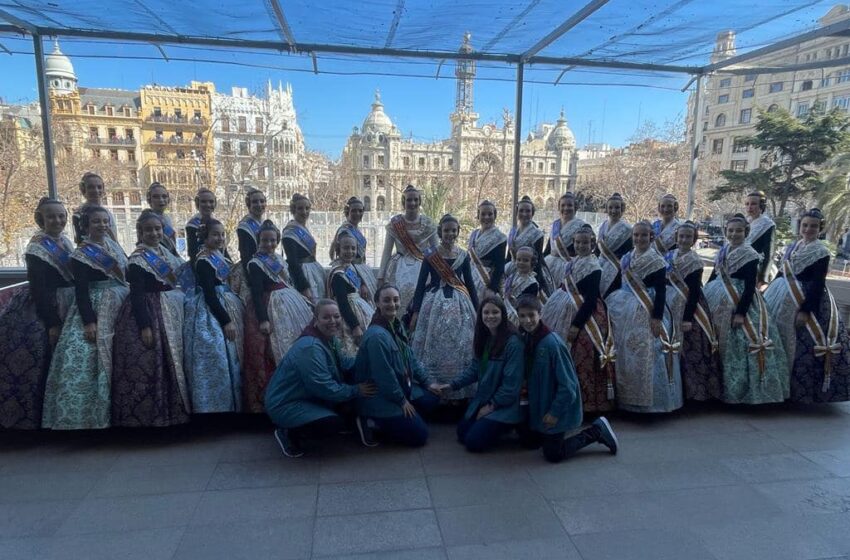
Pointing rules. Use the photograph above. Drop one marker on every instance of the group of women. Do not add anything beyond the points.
(100, 339)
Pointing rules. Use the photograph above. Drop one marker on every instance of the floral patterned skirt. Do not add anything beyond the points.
(148, 384)
(363, 311)
(403, 273)
(702, 373)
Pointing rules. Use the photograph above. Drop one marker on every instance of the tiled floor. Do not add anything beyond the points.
(707, 483)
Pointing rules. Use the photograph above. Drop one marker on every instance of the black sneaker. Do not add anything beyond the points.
(289, 447)
(366, 436)
(607, 437)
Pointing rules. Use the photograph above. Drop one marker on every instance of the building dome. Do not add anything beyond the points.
(59, 71)
(377, 121)
(561, 137)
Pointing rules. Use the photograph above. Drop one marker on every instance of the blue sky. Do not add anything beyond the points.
(329, 106)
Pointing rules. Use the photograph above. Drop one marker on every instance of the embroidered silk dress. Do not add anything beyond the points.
(760, 238)
(32, 309)
(246, 232)
(78, 391)
(559, 249)
(665, 235)
(817, 353)
(578, 303)
(702, 375)
(531, 236)
(344, 283)
(404, 246)
(487, 252)
(287, 311)
(363, 268)
(612, 243)
(755, 369)
(517, 285)
(213, 363)
(648, 376)
(446, 301)
(149, 386)
(169, 235)
(299, 246)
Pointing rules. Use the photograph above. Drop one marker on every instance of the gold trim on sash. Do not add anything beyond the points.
(700, 314)
(447, 273)
(397, 223)
(482, 270)
(825, 344)
(669, 344)
(758, 341)
(609, 255)
(607, 354)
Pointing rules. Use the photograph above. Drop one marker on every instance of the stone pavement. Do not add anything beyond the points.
(713, 482)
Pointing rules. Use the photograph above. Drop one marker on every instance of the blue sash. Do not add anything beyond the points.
(222, 269)
(251, 225)
(103, 260)
(195, 222)
(168, 230)
(361, 239)
(273, 266)
(304, 237)
(668, 259)
(721, 255)
(159, 265)
(352, 276)
(626, 261)
(657, 227)
(60, 254)
(512, 236)
(473, 238)
(556, 229)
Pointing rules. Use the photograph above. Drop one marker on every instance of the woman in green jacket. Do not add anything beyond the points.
(304, 395)
(405, 392)
(554, 396)
(497, 367)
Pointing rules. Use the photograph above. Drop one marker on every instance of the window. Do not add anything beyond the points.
(540, 167)
(367, 203)
(181, 154)
(775, 87)
(160, 154)
(738, 165)
(740, 147)
(551, 184)
(382, 203)
(748, 93)
(367, 182)
(825, 81)
(227, 147)
(91, 109)
(451, 162)
(128, 133)
(118, 198)
(261, 172)
(723, 98)
(749, 78)
(243, 149)
(135, 198)
(436, 163)
(109, 111)
(131, 155)
(95, 154)
(93, 134)
(528, 166)
(366, 162)
(158, 136)
(243, 124)
(806, 85)
(157, 111)
(842, 102)
(405, 162)
(746, 116)
(421, 163)
(552, 167)
(844, 50)
(261, 149)
(245, 168)
(802, 109)
(720, 120)
(381, 160)
(726, 82)
(225, 124)
(258, 124)
(113, 155)
(842, 77)
(717, 146)
(197, 114)
(198, 139)
(773, 108)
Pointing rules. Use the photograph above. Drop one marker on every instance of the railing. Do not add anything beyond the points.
(111, 141)
(174, 119)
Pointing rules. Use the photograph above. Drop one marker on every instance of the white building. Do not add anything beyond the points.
(730, 102)
(477, 158)
(258, 142)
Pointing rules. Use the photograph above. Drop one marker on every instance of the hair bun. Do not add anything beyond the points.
(525, 198)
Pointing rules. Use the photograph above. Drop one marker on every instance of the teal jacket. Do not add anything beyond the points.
(381, 359)
(307, 383)
(553, 387)
(499, 384)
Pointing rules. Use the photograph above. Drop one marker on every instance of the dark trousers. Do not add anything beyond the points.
(481, 435)
(412, 432)
(555, 447)
(318, 429)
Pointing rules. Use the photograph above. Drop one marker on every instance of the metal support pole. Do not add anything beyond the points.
(520, 70)
(695, 141)
(47, 131)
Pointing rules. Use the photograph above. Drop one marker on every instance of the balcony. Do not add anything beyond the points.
(111, 141)
(175, 120)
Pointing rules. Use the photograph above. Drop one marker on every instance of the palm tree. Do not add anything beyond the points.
(833, 198)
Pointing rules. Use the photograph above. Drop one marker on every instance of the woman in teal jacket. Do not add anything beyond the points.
(498, 368)
(304, 395)
(554, 396)
(404, 389)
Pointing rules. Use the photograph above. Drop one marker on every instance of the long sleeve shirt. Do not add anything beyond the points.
(588, 287)
(44, 280)
(763, 245)
(142, 282)
(340, 288)
(83, 276)
(658, 281)
(247, 247)
(495, 261)
(208, 281)
(429, 280)
(813, 280)
(748, 274)
(296, 256)
(694, 283)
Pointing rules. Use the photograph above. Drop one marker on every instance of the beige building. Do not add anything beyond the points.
(730, 102)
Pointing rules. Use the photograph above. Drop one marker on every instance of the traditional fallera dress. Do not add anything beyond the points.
(665, 236)
(487, 251)
(559, 249)
(149, 386)
(648, 377)
(288, 312)
(612, 243)
(446, 301)
(760, 238)
(702, 374)
(530, 236)
(818, 353)
(77, 218)
(246, 232)
(578, 303)
(363, 268)
(344, 284)
(193, 244)
(517, 285)
(78, 391)
(213, 363)
(755, 369)
(299, 246)
(410, 241)
(169, 235)
(31, 310)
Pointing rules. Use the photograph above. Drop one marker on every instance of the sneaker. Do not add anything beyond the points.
(366, 436)
(607, 437)
(289, 447)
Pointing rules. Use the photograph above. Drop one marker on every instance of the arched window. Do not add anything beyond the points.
(382, 202)
(550, 204)
(773, 108)
(367, 203)
(720, 120)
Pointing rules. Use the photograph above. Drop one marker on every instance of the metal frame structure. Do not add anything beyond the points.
(288, 43)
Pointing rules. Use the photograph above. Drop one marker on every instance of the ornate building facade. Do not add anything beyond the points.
(476, 158)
